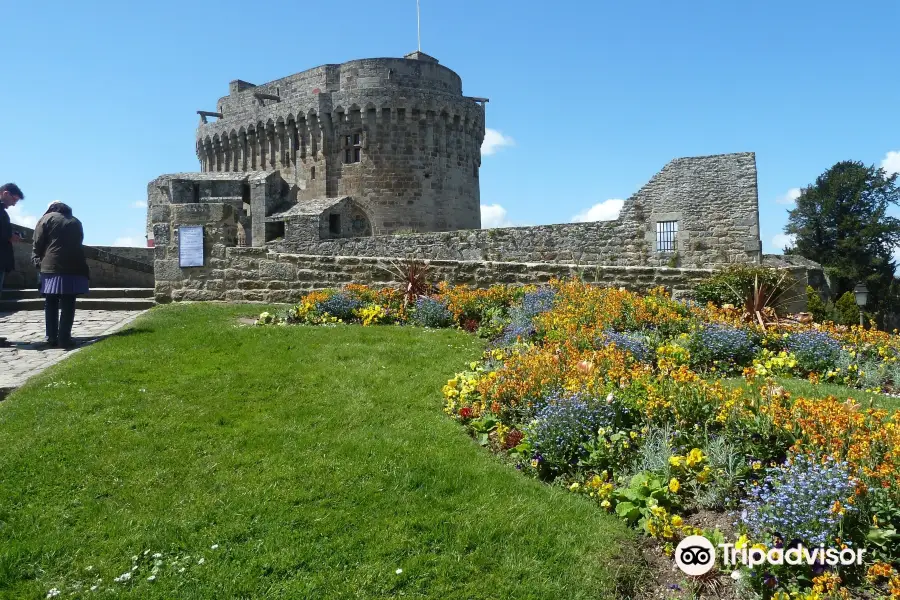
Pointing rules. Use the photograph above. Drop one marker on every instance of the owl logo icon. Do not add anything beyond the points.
(695, 555)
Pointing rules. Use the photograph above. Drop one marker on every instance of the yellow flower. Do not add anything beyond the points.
(677, 520)
(694, 457)
(605, 504)
(574, 486)
(741, 542)
(674, 486)
(676, 461)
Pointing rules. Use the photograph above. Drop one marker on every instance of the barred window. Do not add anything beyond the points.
(352, 148)
(665, 235)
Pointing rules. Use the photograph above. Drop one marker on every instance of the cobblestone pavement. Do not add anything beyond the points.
(24, 331)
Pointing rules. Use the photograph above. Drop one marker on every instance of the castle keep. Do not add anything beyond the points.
(367, 147)
(318, 179)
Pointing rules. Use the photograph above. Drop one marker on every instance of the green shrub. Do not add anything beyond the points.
(847, 310)
(736, 285)
(816, 306)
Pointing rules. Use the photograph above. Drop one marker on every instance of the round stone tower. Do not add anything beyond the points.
(395, 135)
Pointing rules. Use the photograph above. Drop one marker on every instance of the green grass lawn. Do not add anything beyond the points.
(802, 387)
(317, 459)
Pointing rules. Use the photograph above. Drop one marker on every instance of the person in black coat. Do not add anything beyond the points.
(10, 194)
(59, 253)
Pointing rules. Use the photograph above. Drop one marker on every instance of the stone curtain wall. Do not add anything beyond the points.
(260, 275)
(713, 198)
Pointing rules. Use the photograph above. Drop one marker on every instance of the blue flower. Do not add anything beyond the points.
(522, 316)
(431, 312)
(341, 305)
(794, 501)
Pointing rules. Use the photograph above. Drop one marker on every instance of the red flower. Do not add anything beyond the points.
(512, 439)
(465, 412)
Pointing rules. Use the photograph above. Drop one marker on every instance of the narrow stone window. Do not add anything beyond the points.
(312, 172)
(665, 235)
(334, 224)
(352, 148)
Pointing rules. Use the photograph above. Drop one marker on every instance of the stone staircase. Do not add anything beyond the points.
(97, 299)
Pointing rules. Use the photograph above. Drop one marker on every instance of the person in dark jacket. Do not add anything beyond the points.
(59, 253)
(10, 194)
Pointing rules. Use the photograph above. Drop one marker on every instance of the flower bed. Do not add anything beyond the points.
(619, 397)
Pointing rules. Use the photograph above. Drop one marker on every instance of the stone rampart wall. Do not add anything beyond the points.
(260, 275)
(137, 254)
(110, 267)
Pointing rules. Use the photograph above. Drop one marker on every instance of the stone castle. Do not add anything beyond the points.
(319, 179)
(367, 147)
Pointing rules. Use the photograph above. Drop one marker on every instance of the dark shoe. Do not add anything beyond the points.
(49, 343)
(67, 344)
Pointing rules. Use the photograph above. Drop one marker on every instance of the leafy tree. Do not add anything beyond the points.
(842, 223)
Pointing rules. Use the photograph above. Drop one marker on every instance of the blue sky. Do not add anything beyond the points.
(587, 99)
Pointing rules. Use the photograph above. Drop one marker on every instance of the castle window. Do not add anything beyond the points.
(312, 172)
(665, 235)
(352, 148)
(334, 224)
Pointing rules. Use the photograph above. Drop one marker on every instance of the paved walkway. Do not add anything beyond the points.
(25, 331)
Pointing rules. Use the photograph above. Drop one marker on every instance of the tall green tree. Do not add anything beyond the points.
(841, 222)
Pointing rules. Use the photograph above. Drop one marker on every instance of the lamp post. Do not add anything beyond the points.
(862, 296)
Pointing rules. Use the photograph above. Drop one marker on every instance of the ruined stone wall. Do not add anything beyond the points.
(418, 140)
(713, 199)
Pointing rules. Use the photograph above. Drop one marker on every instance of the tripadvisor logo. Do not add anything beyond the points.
(695, 555)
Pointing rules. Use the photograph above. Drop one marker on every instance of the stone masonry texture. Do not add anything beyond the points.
(260, 275)
(395, 134)
(322, 178)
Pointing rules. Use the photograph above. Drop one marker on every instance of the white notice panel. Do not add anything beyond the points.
(190, 246)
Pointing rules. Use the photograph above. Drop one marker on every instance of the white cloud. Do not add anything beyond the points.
(494, 215)
(20, 217)
(782, 240)
(891, 162)
(129, 241)
(140, 204)
(604, 211)
(790, 197)
(493, 141)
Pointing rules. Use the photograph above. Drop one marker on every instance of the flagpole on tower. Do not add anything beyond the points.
(418, 26)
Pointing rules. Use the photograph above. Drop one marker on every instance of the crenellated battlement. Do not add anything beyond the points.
(279, 139)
